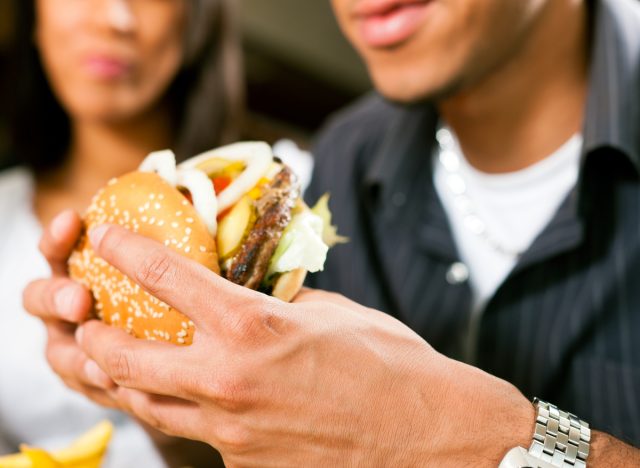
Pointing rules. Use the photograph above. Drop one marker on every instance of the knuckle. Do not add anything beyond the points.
(234, 437)
(193, 386)
(231, 392)
(243, 325)
(43, 246)
(51, 355)
(153, 415)
(47, 246)
(150, 408)
(120, 365)
(154, 271)
(27, 294)
(255, 326)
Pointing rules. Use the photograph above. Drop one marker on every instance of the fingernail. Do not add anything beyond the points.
(97, 233)
(96, 375)
(64, 300)
(58, 225)
(79, 333)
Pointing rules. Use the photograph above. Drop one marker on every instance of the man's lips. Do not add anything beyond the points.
(386, 23)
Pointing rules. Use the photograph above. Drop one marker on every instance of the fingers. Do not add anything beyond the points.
(314, 295)
(58, 240)
(170, 415)
(73, 367)
(70, 362)
(189, 287)
(318, 295)
(57, 298)
(148, 366)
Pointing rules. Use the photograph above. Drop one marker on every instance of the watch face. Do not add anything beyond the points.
(518, 457)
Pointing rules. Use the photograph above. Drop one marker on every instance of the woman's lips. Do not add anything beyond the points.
(107, 67)
(387, 23)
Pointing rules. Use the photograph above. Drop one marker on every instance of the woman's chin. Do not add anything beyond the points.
(107, 114)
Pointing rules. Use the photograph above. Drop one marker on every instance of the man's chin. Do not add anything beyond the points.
(412, 92)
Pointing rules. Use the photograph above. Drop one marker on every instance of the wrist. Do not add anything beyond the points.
(512, 425)
(484, 416)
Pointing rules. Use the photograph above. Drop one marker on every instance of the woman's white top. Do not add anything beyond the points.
(35, 406)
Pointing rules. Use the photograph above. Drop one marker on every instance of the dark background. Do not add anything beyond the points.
(299, 68)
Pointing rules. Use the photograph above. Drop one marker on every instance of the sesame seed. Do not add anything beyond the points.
(174, 225)
(203, 248)
(187, 249)
(189, 220)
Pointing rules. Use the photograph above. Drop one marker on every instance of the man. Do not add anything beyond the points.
(438, 238)
(552, 271)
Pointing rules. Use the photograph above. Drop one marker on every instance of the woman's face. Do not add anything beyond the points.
(109, 60)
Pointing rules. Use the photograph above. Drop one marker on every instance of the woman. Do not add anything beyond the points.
(96, 85)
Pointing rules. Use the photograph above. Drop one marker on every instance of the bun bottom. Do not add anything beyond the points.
(288, 284)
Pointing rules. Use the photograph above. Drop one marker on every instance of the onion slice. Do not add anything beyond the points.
(202, 195)
(257, 157)
(163, 163)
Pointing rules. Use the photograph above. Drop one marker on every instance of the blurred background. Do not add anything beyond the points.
(299, 69)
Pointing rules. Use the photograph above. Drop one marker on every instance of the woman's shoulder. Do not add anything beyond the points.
(16, 189)
(15, 176)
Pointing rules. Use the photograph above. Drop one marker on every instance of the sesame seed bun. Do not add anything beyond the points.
(146, 204)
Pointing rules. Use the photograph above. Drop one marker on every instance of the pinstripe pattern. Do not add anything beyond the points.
(565, 324)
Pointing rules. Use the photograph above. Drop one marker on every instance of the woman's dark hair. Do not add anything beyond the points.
(206, 96)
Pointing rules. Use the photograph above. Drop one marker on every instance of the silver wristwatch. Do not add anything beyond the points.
(560, 440)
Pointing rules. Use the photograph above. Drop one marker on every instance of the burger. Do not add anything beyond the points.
(236, 210)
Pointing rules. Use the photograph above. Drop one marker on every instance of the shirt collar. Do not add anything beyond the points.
(613, 104)
(408, 140)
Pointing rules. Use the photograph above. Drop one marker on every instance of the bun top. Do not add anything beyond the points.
(143, 203)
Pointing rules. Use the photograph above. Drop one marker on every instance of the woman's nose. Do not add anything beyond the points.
(119, 15)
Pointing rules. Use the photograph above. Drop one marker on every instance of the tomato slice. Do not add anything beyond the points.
(223, 213)
(220, 183)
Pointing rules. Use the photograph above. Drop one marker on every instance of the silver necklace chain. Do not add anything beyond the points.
(450, 160)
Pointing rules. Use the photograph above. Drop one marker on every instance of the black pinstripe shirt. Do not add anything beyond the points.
(565, 324)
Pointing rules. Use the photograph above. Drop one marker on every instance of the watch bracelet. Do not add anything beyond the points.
(560, 438)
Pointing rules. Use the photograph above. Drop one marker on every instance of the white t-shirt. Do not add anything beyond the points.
(514, 208)
(35, 406)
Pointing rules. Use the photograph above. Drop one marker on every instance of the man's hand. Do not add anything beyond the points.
(320, 381)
